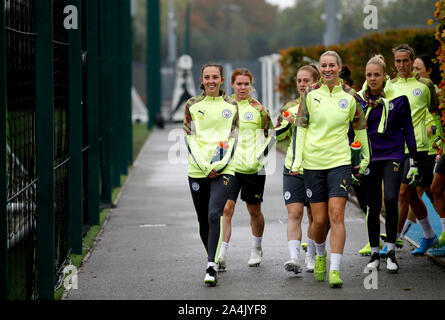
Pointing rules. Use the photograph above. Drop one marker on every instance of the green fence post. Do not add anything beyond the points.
(45, 150)
(93, 111)
(153, 61)
(116, 135)
(123, 108)
(106, 100)
(75, 138)
(3, 174)
(129, 81)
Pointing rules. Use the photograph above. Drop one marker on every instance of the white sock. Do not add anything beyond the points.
(406, 226)
(335, 261)
(257, 241)
(294, 248)
(223, 249)
(212, 264)
(442, 221)
(374, 250)
(311, 248)
(427, 228)
(320, 248)
(391, 246)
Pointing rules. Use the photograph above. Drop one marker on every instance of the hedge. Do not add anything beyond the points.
(439, 34)
(356, 54)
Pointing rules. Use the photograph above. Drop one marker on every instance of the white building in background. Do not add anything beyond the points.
(270, 73)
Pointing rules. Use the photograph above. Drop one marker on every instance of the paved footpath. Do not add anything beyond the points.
(150, 247)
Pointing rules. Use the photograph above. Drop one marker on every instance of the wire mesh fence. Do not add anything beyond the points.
(99, 43)
(61, 135)
(21, 147)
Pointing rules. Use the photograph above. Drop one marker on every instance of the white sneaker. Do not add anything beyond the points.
(211, 277)
(292, 265)
(255, 257)
(310, 263)
(391, 262)
(374, 263)
(222, 264)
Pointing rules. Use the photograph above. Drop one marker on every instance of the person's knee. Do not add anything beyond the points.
(254, 210)
(405, 193)
(336, 216)
(391, 199)
(295, 215)
(437, 190)
(229, 208)
(319, 220)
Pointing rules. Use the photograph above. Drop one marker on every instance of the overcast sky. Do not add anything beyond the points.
(282, 3)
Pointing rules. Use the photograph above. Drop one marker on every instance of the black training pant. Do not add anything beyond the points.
(390, 171)
(209, 197)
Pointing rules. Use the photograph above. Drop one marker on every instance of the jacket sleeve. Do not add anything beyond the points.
(407, 126)
(267, 127)
(359, 126)
(190, 140)
(301, 124)
(282, 129)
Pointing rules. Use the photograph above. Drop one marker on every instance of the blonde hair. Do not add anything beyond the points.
(333, 54)
(379, 60)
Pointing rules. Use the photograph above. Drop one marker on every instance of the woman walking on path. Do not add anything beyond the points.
(390, 126)
(211, 128)
(294, 192)
(422, 98)
(249, 179)
(323, 151)
(425, 68)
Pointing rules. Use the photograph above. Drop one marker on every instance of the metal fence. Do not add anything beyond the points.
(66, 102)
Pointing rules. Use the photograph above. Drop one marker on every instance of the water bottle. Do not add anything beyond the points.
(356, 149)
(220, 151)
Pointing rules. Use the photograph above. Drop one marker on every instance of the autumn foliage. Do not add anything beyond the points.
(356, 53)
(439, 34)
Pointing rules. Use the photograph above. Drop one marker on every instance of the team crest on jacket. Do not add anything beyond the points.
(227, 113)
(248, 116)
(417, 92)
(391, 106)
(343, 103)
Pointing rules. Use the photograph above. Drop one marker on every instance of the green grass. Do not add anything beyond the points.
(140, 135)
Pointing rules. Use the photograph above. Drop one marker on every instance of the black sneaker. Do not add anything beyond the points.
(374, 263)
(211, 277)
(391, 262)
